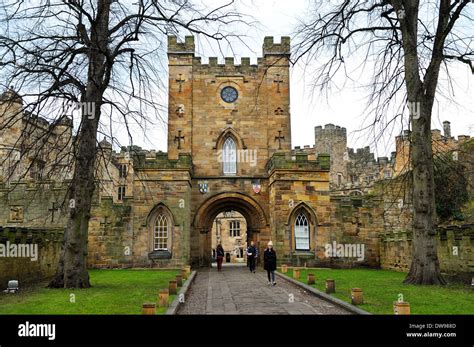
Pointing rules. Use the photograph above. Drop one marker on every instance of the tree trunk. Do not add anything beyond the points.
(72, 268)
(425, 265)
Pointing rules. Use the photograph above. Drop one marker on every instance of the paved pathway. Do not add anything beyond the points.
(237, 291)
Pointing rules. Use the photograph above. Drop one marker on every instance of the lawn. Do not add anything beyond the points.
(382, 287)
(112, 292)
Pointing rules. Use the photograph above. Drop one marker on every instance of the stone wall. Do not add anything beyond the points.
(23, 269)
(455, 250)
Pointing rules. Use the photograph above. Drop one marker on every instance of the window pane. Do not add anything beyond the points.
(301, 232)
(161, 233)
(229, 156)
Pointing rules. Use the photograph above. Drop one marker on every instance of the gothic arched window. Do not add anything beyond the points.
(301, 232)
(229, 156)
(161, 233)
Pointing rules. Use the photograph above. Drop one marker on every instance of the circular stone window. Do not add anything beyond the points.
(229, 94)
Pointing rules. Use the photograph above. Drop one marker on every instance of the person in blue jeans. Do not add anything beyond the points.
(270, 262)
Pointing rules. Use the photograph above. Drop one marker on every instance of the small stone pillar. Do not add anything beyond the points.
(296, 273)
(357, 296)
(330, 286)
(311, 279)
(149, 308)
(179, 280)
(188, 270)
(163, 296)
(184, 273)
(173, 287)
(401, 308)
(284, 268)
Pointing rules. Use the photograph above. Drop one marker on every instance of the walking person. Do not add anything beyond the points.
(220, 256)
(270, 262)
(252, 254)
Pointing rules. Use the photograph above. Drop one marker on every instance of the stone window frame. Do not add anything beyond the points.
(312, 220)
(233, 229)
(160, 210)
(235, 85)
(219, 143)
(302, 220)
(229, 168)
(123, 170)
(122, 190)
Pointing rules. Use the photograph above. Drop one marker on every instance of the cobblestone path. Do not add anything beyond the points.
(237, 291)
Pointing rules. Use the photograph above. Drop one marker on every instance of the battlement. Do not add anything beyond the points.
(9, 96)
(272, 48)
(144, 160)
(228, 66)
(186, 47)
(299, 160)
(64, 121)
(16, 234)
(304, 148)
(329, 130)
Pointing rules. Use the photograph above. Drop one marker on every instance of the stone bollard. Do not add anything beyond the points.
(401, 308)
(188, 269)
(357, 297)
(284, 269)
(163, 296)
(173, 287)
(296, 273)
(184, 273)
(311, 279)
(179, 280)
(149, 308)
(330, 286)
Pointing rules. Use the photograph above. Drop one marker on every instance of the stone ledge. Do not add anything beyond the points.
(184, 289)
(324, 296)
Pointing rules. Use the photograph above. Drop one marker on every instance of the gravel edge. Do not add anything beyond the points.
(173, 309)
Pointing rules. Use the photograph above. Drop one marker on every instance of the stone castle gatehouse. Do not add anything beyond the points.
(229, 150)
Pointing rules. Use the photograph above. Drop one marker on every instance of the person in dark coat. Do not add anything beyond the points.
(251, 256)
(220, 256)
(270, 262)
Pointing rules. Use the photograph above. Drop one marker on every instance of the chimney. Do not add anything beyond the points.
(447, 129)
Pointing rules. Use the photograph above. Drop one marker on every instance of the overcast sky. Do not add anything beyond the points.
(344, 106)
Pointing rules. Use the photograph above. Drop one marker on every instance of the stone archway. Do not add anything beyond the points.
(250, 209)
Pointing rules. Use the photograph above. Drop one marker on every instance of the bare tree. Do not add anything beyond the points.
(405, 44)
(103, 55)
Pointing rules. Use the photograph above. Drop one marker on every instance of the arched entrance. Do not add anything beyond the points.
(201, 237)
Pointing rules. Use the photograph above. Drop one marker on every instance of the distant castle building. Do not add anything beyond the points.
(354, 172)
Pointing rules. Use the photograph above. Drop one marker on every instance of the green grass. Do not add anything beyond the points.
(112, 292)
(382, 287)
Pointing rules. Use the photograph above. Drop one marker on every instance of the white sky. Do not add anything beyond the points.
(343, 107)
